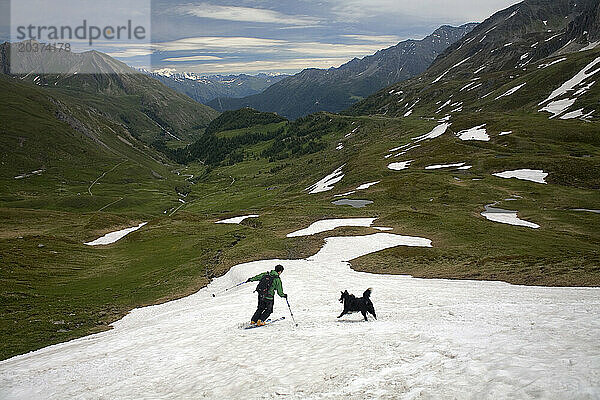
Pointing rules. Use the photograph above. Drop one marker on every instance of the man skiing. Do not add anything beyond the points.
(268, 283)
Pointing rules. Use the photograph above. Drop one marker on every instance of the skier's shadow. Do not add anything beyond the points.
(351, 321)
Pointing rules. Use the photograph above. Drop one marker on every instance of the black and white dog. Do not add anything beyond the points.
(362, 304)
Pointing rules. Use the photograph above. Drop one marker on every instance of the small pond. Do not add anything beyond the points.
(491, 209)
(353, 203)
(586, 209)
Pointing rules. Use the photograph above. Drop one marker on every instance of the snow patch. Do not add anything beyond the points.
(574, 81)
(468, 85)
(448, 70)
(475, 133)
(349, 248)
(399, 147)
(552, 37)
(327, 183)
(361, 187)
(331, 224)
(403, 152)
(533, 175)
(345, 194)
(32, 173)
(587, 117)
(367, 185)
(439, 166)
(398, 166)
(590, 46)
(475, 87)
(353, 131)
(443, 105)
(558, 107)
(112, 237)
(573, 114)
(506, 217)
(546, 65)
(236, 220)
(478, 70)
(435, 132)
(511, 91)
(584, 89)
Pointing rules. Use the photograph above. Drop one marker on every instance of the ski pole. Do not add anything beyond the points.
(291, 313)
(223, 291)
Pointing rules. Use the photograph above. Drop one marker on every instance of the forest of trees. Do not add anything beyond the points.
(297, 138)
(303, 136)
(242, 118)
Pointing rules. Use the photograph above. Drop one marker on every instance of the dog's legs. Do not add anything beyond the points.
(364, 313)
(343, 312)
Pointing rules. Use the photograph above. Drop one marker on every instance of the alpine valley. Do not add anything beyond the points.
(481, 141)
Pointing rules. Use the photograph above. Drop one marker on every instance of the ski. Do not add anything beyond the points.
(267, 322)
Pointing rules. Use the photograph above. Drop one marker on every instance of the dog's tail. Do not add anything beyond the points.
(370, 308)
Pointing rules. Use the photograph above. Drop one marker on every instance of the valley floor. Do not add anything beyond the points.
(433, 339)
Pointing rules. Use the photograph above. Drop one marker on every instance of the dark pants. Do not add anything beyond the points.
(264, 309)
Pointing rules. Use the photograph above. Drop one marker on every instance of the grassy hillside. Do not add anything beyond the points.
(71, 174)
(64, 289)
(145, 107)
(71, 145)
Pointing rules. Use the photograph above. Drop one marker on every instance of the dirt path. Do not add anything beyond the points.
(101, 176)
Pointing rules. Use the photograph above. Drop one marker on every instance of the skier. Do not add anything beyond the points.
(269, 282)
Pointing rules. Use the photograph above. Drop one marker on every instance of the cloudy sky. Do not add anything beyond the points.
(251, 36)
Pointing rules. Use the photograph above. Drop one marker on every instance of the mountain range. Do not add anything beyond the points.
(335, 89)
(204, 88)
(498, 53)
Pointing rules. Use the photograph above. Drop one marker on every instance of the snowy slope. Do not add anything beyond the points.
(511, 57)
(433, 339)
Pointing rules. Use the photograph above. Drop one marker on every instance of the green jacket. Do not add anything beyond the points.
(276, 285)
